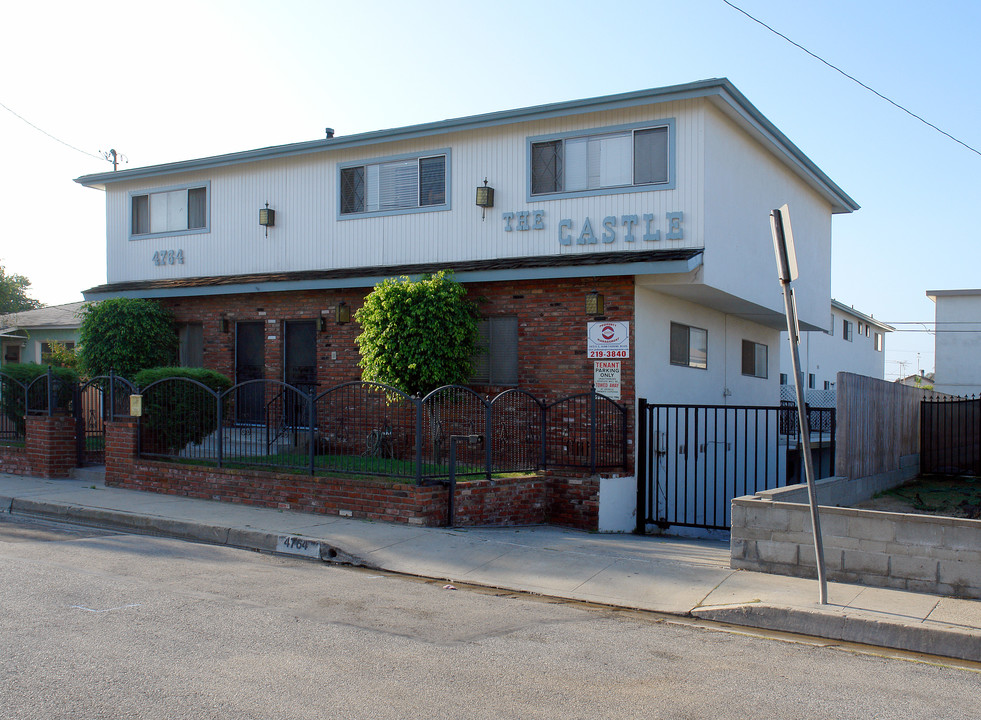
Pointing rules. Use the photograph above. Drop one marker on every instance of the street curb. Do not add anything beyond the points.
(941, 641)
(241, 538)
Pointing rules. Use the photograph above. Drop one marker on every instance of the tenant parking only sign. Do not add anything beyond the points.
(606, 378)
(608, 340)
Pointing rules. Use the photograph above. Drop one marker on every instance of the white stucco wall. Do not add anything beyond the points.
(958, 354)
(661, 382)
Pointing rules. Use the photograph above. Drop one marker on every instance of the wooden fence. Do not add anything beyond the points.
(878, 423)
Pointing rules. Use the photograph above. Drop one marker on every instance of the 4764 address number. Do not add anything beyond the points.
(168, 257)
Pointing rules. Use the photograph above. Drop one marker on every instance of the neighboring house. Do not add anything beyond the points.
(25, 336)
(853, 342)
(923, 380)
(957, 341)
(655, 204)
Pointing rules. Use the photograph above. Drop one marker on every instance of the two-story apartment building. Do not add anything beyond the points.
(853, 342)
(640, 218)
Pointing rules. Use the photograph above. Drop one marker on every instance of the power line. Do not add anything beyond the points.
(853, 79)
(45, 132)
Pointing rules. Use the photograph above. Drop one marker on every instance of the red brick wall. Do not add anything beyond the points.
(50, 443)
(13, 460)
(551, 329)
(508, 501)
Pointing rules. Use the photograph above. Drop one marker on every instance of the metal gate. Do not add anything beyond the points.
(950, 436)
(96, 401)
(694, 459)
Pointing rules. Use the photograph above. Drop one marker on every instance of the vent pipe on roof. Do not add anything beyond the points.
(330, 132)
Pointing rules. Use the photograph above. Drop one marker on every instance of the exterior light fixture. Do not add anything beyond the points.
(322, 324)
(485, 198)
(594, 303)
(343, 313)
(267, 218)
(223, 324)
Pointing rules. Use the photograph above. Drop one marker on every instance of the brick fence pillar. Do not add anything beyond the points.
(50, 442)
(121, 449)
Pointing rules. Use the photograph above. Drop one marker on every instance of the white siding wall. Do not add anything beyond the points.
(308, 235)
(743, 183)
(661, 382)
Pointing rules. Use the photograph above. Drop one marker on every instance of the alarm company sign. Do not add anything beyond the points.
(608, 340)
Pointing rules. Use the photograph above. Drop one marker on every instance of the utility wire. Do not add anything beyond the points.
(21, 117)
(853, 79)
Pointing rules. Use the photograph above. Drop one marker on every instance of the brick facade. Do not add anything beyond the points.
(552, 361)
(13, 460)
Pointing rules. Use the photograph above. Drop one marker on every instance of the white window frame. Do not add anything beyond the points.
(689, 362)
(599, 134)
(847, 331)
(391, 160)
(161, 191)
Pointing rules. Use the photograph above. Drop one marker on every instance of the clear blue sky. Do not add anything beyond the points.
(169, 81)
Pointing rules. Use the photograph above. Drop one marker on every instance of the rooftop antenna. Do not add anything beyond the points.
(115, 158)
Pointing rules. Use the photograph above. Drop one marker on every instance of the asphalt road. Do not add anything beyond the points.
(103, 625)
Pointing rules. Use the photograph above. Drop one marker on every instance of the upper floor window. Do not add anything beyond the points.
(618, 161)
(878, 342)
(689, 346)
(397, 185)
(754, 359)
(170, 211)
(846, 330)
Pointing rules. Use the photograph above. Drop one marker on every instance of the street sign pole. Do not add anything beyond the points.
(783, 247)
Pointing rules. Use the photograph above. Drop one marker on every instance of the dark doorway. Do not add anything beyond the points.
(250, 363)
(299, 366)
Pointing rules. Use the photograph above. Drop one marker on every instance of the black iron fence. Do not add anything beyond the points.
(694, 459)
(950, 436)
(46, 394)
(373, 429)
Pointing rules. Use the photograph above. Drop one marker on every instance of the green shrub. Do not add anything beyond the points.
(177, 413)
(418, 335)
(126, 335)
(12, 395)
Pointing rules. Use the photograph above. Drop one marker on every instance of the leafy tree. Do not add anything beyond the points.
(63, 356)
(417, 336)
(13, 293)
(126, 335)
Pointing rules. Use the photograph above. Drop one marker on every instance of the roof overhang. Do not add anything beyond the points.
(541, 267)
(719, 90)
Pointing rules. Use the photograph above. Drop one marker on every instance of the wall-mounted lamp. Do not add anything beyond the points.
(485, 198)
(343, 313)
(267, 218)
(223, 324)
(322, 324)
(594, 303)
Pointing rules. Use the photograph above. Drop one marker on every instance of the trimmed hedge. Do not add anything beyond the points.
(178, 413)
(12, 395)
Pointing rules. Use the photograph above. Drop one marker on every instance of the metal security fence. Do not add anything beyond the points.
(950, 436)
(47, 394)
(373, 429)
(96, 401)
(694, 459)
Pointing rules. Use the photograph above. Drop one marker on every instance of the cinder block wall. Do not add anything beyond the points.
(920, 553)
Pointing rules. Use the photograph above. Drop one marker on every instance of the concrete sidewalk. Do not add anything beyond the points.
(689, 578)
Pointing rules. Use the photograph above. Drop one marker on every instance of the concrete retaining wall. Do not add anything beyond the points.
(771, 532)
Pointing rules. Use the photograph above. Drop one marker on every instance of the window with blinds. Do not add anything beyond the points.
(496, 361)
(170, 211)
(593, 162)
(393, 186)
